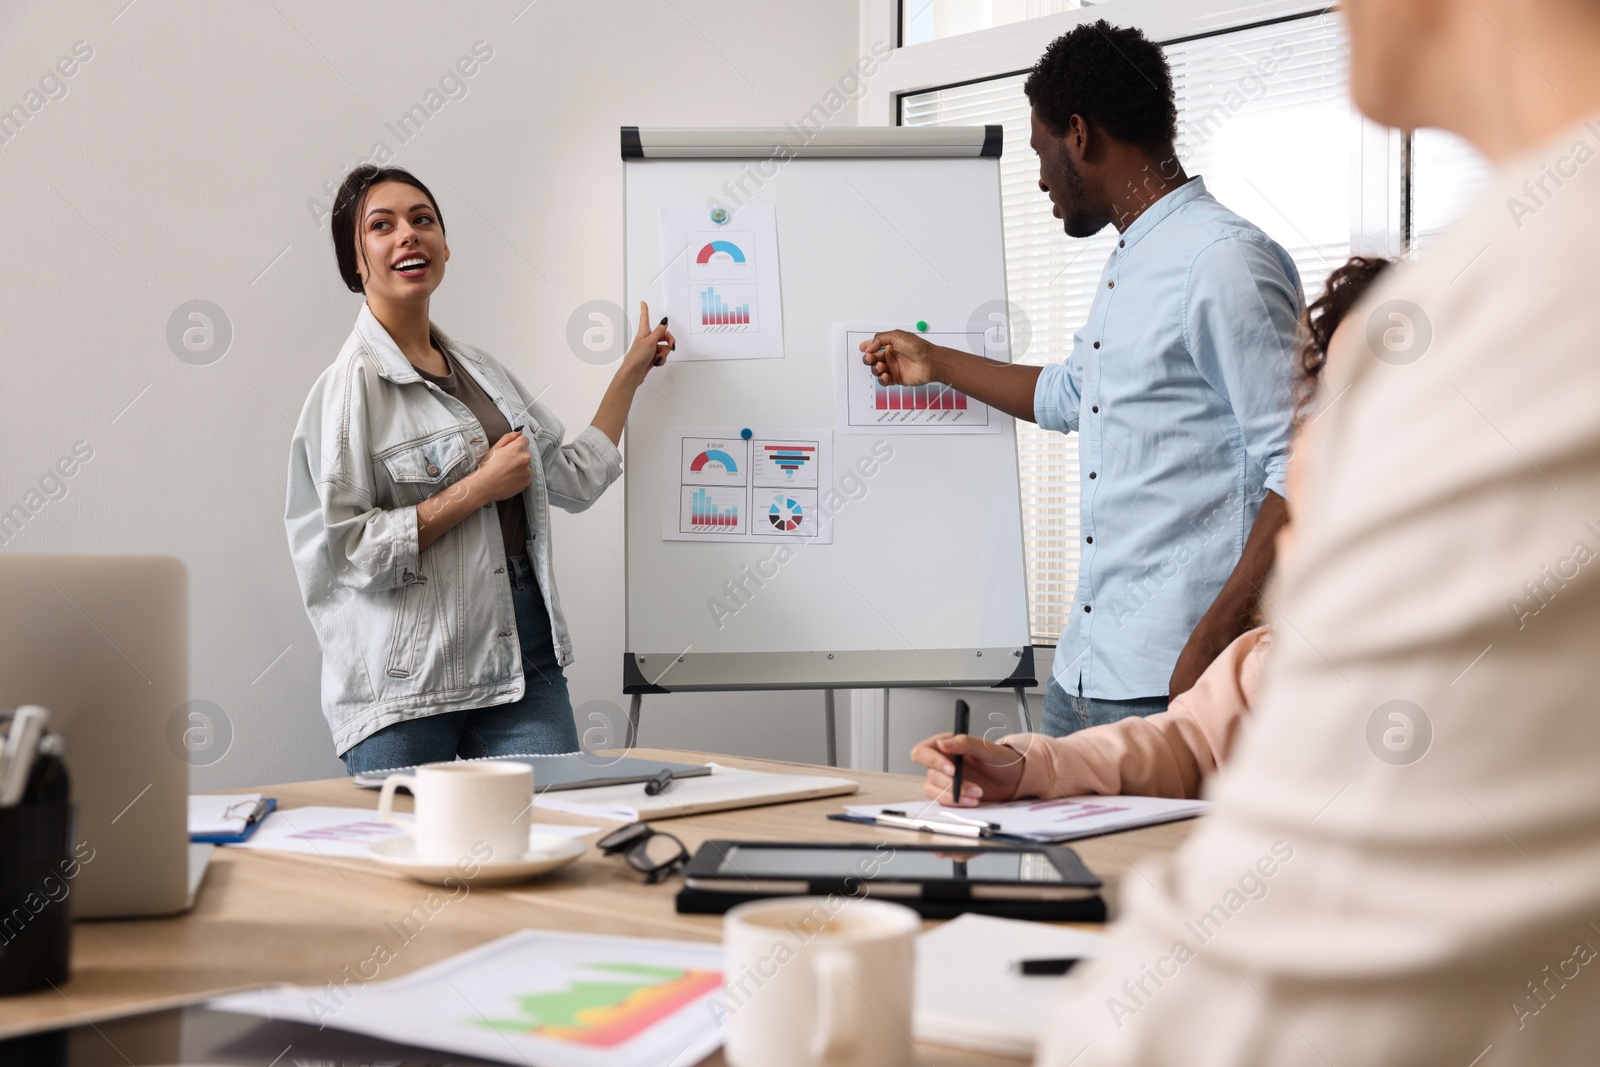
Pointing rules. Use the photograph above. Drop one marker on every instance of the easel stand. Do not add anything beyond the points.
(830, 724)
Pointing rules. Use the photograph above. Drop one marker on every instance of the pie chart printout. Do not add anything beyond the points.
(746, 484)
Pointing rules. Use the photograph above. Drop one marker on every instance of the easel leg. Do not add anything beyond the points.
(1023, 715)
(830, 725)
(885, 752)
(633, 720)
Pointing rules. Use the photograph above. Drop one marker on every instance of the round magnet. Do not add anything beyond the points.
(719, 215)
(746, 434)
(922, 326)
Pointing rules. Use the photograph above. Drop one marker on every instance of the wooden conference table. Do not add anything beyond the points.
(266, 917)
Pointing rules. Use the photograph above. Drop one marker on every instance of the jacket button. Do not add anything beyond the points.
(504, 633)
(499, 570)
(432, 470)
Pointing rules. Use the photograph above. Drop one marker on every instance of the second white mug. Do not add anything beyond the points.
(464, 804)
(819, 982)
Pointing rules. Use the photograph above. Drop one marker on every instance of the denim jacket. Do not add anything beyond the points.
(406, 634)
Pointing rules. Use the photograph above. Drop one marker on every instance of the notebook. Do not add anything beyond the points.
(722, 789)
(969, 995)
(571, 770)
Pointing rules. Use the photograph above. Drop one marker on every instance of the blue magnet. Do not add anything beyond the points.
(719, 215)
(746, 434)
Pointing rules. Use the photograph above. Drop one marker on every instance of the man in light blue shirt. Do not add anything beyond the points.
(1179, 386)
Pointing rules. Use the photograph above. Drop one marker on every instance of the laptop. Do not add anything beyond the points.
(102, 642)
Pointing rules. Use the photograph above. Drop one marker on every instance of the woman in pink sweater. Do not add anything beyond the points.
(1163, 755)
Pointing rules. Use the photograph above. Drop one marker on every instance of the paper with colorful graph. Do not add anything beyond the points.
(532, 997)
(719, 264)
(741, 483)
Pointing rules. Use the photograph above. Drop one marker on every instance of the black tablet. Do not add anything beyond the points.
(928, 872)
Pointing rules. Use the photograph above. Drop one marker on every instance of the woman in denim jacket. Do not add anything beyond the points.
(420, 481)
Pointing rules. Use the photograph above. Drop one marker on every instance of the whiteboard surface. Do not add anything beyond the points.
(926, 564)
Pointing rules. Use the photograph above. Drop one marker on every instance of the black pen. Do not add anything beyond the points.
(1045, 965)
(659, 783)
(662, 358)
(963, 720)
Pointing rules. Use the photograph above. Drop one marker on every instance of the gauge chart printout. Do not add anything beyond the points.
(722, 282)
(769, 487)
(865, 405)
(532, 997)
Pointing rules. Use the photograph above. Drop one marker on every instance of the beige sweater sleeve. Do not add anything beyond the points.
(1164, 755)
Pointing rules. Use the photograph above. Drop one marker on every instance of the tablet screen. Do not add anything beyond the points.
(902, 864)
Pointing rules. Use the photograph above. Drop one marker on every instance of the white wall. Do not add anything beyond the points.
(178, 165)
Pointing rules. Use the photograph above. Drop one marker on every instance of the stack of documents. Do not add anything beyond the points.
(1036, 821)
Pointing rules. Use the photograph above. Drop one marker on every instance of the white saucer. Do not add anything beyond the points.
(545, 853)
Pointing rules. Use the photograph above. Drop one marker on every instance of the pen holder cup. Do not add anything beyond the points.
(35, 895)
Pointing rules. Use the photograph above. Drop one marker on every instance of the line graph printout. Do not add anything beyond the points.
(865, 405)
(764, 488)
(533, 997)
(722, 282)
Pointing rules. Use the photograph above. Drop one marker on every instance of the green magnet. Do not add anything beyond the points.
(922, 326)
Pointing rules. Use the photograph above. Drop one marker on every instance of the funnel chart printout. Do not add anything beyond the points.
(722, 285)
(766, 488)
(863, 404)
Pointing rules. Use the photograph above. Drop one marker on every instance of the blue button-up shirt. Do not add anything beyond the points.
(1179, 385)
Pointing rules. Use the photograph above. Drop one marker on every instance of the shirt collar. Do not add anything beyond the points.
(1152, 216)
(392, 363)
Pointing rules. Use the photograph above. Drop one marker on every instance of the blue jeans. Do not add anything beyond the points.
(540, 722)
(1065, 714)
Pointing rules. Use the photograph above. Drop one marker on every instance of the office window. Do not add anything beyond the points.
(1263, 116)
(1446, 174)
(929, 20)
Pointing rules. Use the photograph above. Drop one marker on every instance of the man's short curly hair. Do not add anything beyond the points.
(1115, 77)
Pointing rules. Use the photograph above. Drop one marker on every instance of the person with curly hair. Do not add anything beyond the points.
(1178, 386)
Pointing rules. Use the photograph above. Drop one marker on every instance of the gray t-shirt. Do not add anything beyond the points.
(465, 388)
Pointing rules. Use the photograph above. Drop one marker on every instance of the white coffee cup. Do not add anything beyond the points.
(819, 982)
(460, 807)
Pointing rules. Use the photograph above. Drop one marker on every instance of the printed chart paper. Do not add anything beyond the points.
(864, 405)
(723, 292)
(717, 486)
(1060, 819)
(325, 831)
(532, 997)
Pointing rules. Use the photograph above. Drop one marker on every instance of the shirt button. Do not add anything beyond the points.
(1095, 410)
(1097, 344)
(432, 470)
(1086, 608)
(1122, 244)
(1092, 474)
(1111, 285)
(1090, 539)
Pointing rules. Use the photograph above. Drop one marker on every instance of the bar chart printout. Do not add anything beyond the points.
(864, 404)
(725, 309)
(711, 509)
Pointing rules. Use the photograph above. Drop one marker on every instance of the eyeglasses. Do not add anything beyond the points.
(653, 853)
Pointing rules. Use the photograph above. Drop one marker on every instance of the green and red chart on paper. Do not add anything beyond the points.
(557, 1000)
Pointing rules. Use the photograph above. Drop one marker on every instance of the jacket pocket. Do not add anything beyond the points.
(419, 469)
(409, 639)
